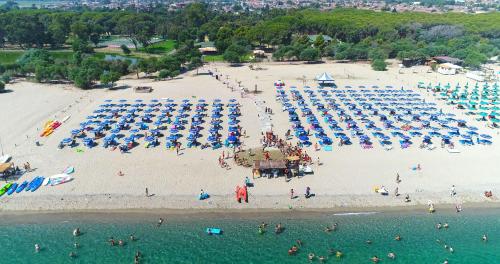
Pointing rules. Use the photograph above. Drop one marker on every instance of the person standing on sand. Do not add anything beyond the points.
(453, 191)
(398, 180)
(147, 192)
(292, 195)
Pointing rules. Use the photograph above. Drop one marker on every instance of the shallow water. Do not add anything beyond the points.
(181, 239)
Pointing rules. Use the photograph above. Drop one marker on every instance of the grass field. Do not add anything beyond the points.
(8, 57)
(220, 57)
(213, 58)
(162, 47)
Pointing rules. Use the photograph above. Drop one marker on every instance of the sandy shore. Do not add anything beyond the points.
(346, 178)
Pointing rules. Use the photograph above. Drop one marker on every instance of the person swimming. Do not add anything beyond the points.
(368, 242)
(120, 243)
(37, 248)
(391, 255)
(322, 259)
(278, 229)
(76, 245)
(339, 254)
(375, 259)
(76, 231)
(445, 261)
(445, 225)
(160, 222)
(328, 229)
(397, 238)
(485, 238)
(439, 225)
(334, 227)
(72, 254)
(311, 256)
(132, 238)
(111, 241)
(451, 250)
(263, 225)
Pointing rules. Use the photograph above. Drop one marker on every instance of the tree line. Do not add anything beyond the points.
(356, 35)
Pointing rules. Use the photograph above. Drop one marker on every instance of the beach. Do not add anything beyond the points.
(345, 179)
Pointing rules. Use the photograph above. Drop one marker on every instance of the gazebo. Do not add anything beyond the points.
(326, 79)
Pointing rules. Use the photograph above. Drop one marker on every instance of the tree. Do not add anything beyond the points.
(109, 77)
(81, 30)
(475, 59)
(379, 65)
(125, 49)
(231, 56)
(377, 53)
(140, 28)
(2, 87)
(319, 42)
(89, 71)
(310, 54)
(81, 45)
(163, 74)
(6, 78)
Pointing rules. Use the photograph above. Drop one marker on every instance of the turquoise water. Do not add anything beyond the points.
(181, 239)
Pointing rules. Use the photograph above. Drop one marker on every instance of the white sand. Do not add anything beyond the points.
(346, 179)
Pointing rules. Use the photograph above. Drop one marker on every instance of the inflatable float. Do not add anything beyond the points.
(214, 231)
(241, 194)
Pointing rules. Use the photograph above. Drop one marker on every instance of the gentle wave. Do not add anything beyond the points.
(357, 213)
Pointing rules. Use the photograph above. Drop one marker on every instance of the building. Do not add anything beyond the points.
(446, 59)
(448, 68)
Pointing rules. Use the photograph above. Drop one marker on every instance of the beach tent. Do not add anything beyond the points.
(326, 79)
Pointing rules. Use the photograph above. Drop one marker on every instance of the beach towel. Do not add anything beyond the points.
(327, 148)
(79, 150)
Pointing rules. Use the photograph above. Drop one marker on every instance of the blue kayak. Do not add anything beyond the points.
(37, 184)
(31, 184)
(214, 231)
(12, 189)
(21, 187)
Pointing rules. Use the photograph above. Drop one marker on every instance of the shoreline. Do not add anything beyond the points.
(225, 204)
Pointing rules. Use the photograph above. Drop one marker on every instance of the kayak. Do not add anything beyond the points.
(214, 231)
(5, 188)
(12, 189)
(37, 184)
(21, 187)
(31, 184)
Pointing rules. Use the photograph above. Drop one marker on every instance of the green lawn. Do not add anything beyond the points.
(220, 57)
(8, 57)
(213, 58)
(162, 47)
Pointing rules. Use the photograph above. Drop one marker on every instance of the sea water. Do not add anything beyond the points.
(182, 238)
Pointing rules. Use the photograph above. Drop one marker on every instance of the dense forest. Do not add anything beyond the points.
(356, 35)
